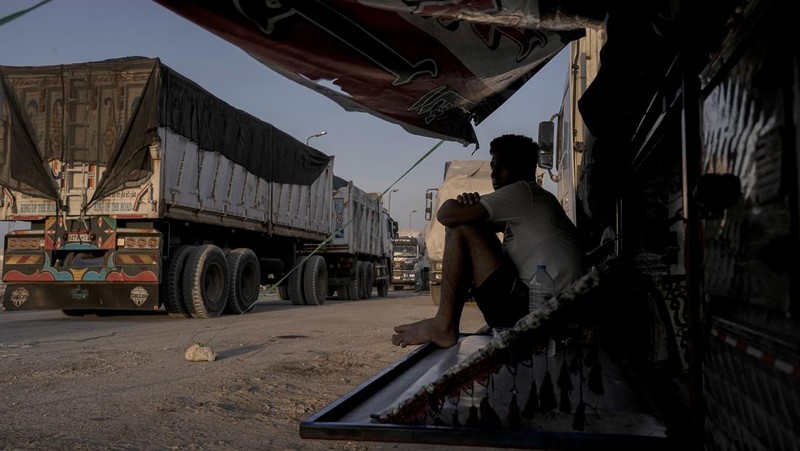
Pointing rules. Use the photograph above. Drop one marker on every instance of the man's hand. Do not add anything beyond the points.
(463, 209)
(468, 198)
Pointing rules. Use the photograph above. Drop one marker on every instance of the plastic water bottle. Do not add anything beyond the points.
(540, 288)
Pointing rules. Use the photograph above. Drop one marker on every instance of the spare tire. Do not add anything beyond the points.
(205, 281)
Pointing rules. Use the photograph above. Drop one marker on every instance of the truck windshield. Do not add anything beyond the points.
(405, 250)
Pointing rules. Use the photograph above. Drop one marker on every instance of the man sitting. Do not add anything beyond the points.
(536, 232)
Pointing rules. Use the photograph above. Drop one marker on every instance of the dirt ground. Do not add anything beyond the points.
(121, 382)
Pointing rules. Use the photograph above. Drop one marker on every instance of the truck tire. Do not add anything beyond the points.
(283, 292)
(370, 280)
(205, 281)
(383, 289)
(436, 293)
(315, 280)
(295, 286)
(172, 283)
(245, 280)
(351, 289)
(362, 280)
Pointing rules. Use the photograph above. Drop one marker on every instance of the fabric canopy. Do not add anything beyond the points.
(435, 68)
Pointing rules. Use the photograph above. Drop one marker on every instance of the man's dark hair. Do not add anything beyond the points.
(522, 151)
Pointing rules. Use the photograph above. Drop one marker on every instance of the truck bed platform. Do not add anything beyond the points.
(622, 418)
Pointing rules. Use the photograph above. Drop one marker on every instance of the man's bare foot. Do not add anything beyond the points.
(423, 332)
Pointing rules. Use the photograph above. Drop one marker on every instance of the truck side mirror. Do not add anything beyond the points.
(429, 195)
(546, 132)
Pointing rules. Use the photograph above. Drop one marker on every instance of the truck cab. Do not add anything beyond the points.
(409, 263)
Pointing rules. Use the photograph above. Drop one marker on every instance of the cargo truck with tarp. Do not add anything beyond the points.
(359, 253)
(142, 189)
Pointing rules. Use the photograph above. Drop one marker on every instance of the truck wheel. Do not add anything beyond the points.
(351, 289)
(370, 280)
(295, 286)
(436, 293)
(283, 292)
(383, 289)
(362, 280)
(245, 280)
(205, 281)
(315, 280)
(172, 283)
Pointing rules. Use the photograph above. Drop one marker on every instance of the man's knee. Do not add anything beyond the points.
(468, 231)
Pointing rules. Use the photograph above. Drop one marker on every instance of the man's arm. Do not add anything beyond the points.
(464, 209)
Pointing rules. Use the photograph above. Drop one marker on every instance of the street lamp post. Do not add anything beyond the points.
(390, 200)
(409, 218)
(316, 135)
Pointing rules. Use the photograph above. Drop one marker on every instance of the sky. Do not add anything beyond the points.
(369, 151)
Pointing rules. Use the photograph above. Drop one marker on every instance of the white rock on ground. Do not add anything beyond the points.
(199, 353)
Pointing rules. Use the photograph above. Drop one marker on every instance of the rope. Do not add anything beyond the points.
(18, 14)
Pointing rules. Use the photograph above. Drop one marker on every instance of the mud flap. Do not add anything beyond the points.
(67, 296)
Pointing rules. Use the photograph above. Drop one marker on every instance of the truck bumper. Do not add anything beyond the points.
(67, 296)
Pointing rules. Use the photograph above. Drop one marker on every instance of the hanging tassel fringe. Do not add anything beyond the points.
(575, 363)
(514, 418)
(595, 382)
(564, 381)
(456, 421)
(565, 405)
(579, 421)
(472, 420)
(532, 405)
(547, 394)
(489, 418)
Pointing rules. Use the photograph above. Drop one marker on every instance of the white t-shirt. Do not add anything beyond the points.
(537, 232)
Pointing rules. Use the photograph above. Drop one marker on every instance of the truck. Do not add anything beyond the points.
(143, 190)
(359, 254)
(409, 262)
(460, 176)
(565, 138)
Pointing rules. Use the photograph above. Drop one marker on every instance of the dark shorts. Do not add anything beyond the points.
(503, 297)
